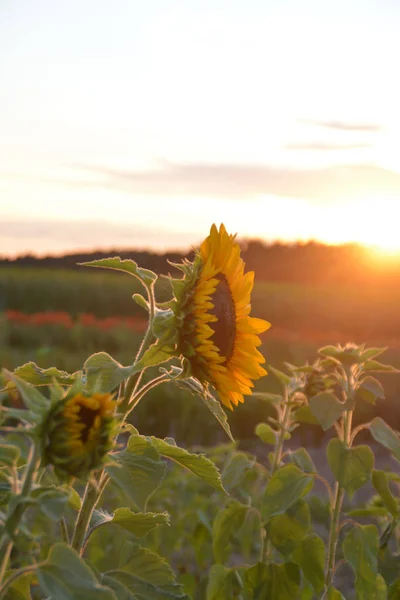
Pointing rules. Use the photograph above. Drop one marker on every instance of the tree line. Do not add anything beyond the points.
(311, 262)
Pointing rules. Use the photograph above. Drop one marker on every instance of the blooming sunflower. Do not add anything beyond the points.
(215, 332)
(79, 433)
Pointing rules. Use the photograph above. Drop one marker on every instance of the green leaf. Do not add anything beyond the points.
(65, 576)
(303, 460)
(370, 389)
(140, 524)
(283, 378)
(360, 549)
(285, 487)
(21, 588)
(310, 556)
(288, 529)
(371, 353)
(9, 455)
(304, 415)
(219, 583)
(326, 408)
(235, 470)
(380, 481)
(198, 464)
(52, 501)
(227, 523)
(139, 470)
(147, 576)
(216, 408)
(331, 351)
(104, 373)
(352, 467)
(334, 594)
(121, 592)
(31, 397)
(266, 433)
(377, 367)
(268, 397)
(31, 373)
(273, 581)
(382, 433)
(127, 266)
(157, 353)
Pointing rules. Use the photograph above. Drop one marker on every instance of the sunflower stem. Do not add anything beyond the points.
(7, 543)
(284, 421)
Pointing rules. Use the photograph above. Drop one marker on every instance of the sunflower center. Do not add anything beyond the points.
(87, 417)
(224, 310)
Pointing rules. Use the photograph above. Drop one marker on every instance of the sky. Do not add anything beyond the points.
(139, 124)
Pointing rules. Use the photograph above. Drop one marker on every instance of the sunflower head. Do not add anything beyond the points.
(78, 433)
(214, 330)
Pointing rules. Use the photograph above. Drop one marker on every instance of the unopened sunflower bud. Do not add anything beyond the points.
(78, 433)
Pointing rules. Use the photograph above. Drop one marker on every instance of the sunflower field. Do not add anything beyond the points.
(182, 450)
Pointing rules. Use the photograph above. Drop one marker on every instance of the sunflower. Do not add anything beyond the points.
(215, 332)
(79, 433)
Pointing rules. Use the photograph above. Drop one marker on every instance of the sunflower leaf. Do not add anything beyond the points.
(198, 464)
(129, 266)
(65, 576)
(104, 373)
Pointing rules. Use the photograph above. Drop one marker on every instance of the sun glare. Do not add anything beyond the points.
(373, 224)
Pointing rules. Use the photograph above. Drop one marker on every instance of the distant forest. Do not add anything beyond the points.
(310, 263)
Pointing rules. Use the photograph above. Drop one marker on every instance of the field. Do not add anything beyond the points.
(87, 311)
(61, 317)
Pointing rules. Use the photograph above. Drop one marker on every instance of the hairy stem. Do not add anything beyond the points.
(7, 543)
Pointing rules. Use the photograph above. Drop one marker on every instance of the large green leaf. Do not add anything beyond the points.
(285, 487)
(385, 435)
(147, 576)
(326, 408)
(288, 529)
(65, 576)
(104, 373)
(51, 500)
(140, 524)
(352, 467)
(310, 555)
(139, 470)
(235, 470)
(35, 375)
(360, 549)
(273, 581)
(198, 464)
(227, 523)
(127, 266)
(220, 583)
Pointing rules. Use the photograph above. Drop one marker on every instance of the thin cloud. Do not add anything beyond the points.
(247, 181)
(48, 235)
(343, 125)
(316, 146)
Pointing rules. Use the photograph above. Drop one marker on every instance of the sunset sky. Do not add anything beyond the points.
(138, 124)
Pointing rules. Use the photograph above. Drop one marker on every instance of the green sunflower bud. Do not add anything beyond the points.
(78, 433)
